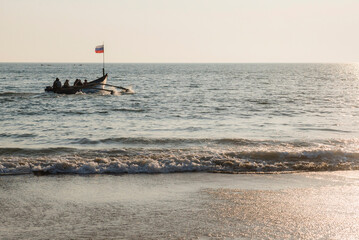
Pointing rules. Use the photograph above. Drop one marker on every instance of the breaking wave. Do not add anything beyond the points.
(224, 156)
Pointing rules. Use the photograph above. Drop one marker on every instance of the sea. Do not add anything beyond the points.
(191, 151)
(231, 118)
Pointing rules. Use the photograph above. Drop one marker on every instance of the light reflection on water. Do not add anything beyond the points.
(181, 206)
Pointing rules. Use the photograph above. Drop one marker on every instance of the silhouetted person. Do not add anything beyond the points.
(85, 82)
(57, 84)
(78, 83)
(66, 84)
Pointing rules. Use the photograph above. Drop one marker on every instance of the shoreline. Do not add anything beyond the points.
(181, 205)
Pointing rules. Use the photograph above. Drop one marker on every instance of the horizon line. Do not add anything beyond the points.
(346, 62)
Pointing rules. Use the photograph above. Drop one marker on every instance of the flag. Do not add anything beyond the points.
(99, 49)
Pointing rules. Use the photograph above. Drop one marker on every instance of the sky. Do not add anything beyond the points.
(180, 31)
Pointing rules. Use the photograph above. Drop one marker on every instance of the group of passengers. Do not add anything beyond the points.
(77, 83)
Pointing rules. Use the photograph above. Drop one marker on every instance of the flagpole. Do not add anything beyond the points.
(103, 60)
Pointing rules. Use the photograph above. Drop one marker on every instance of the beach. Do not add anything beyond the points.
(320, 205)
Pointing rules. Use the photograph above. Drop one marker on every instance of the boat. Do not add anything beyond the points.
(94, 86)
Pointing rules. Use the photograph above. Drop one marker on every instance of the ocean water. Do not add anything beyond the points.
(228, 118)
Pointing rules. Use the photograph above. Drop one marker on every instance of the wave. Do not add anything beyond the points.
(325, 130)
(140, 141)
(30, 152)
(24, 135)
(223, 143)
(195, 141)
(15, 94)
(128, 110)
(142, 160)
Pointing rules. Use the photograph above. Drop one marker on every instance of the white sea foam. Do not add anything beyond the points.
(259, 159)
(128, 90)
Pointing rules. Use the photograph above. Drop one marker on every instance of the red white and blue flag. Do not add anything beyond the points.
(99, 49)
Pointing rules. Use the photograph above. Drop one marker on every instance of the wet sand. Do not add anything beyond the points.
(181, 206)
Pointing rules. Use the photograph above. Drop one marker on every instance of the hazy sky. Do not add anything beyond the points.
(180, 30)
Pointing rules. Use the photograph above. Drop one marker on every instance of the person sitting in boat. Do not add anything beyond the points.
(85, 82)
(79, 83)
(66, 84)
(57, 84)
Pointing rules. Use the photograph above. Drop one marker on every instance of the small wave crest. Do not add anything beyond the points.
(193, 141)
(30, 152)
(23, 135)
(16, 94)
(140, 141)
